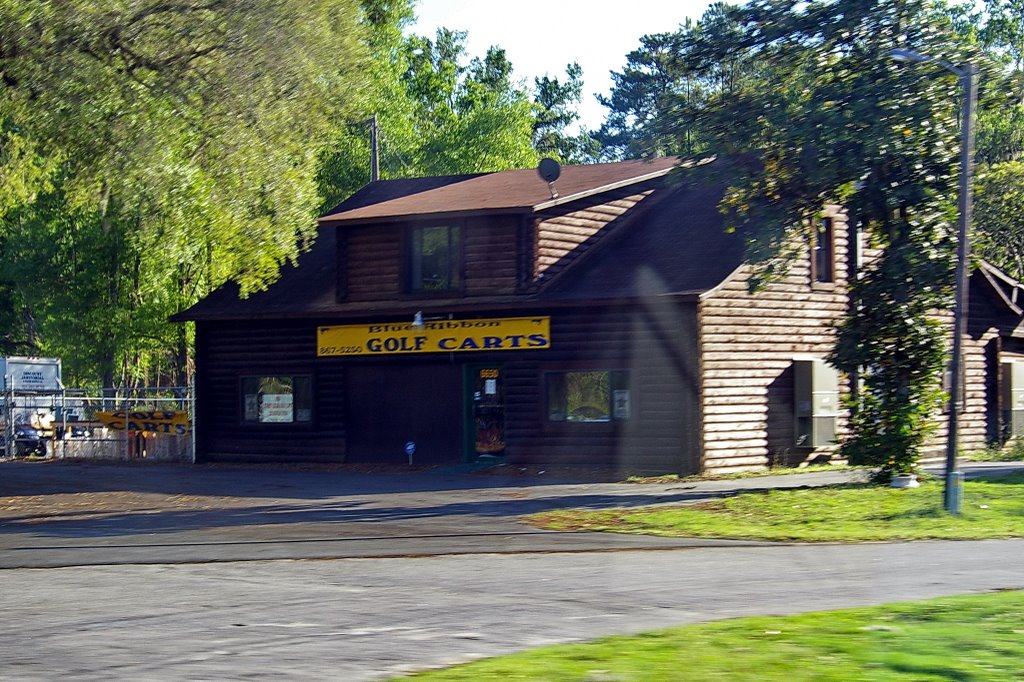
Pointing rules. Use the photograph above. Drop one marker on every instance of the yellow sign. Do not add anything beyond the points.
(155, 421)
(435, 336)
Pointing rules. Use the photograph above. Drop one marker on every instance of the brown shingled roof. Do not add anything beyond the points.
(504, 191)
(679, 245)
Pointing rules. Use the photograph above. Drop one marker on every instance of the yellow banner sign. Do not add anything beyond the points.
(435, 336)
(155, 421)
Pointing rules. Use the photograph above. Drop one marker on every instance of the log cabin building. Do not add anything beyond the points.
(602, 320)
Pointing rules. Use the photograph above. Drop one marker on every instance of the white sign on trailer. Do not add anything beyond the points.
(31, 374)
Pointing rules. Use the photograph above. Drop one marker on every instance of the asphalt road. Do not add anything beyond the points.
(364, 619)
(168, 573)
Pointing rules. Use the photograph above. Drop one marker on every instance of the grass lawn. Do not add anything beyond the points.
(760, 473)
(957, 638)
(992, 508)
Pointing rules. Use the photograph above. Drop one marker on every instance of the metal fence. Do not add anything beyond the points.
(101, 424)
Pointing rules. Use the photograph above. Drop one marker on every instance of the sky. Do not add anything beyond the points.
(543, 36)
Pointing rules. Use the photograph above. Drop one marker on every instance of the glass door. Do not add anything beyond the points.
(485, 411)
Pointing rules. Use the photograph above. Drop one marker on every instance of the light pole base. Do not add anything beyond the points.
(954, 491)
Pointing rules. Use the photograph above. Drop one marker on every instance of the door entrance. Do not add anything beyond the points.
(485, 418)
(390, 407)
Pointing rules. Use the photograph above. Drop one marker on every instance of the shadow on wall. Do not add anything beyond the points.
(784, 451)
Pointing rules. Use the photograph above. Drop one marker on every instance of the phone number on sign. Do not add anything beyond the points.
(340, 350)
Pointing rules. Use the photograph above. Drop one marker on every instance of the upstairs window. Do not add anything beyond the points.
(435, 261)
(823, 253)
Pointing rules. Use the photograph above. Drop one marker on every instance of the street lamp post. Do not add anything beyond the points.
(968, 76)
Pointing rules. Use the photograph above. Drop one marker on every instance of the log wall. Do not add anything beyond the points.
(748, 343)
(567, 232)
(374, 271)
(984, 348)
(656, 344)
(227, 351)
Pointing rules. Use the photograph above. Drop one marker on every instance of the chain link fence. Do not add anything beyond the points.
(101, 424)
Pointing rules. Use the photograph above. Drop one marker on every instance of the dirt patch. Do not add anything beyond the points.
(71, 506)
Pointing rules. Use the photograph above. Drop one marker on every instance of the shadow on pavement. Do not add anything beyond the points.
(122, 523)
(61, 477)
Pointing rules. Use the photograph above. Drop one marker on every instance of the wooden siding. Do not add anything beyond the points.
(748, 343)
(225, 352)
(499, 256)
(341, 240)
(655, 343)
(490, 256)
(373, 266)
(980, 422)
(565, 233)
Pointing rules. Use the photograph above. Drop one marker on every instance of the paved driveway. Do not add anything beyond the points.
(364, 619)
(77, 514)
(449, 574)
(65, 514)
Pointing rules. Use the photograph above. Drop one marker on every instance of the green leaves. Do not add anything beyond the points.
(999, 216)
(804, 102)
(555, 105)
(165, 148)
(438, 114)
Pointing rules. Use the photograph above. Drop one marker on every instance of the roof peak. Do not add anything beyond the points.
(517, 190)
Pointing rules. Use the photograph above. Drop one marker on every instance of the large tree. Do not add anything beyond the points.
(655, 100)
(999, 192)
(556, 108)
(437, 111)
(833, 119)
(154, 150)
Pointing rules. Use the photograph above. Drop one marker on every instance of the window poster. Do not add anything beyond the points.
(276, 407)
(620, 403)
(252, 407)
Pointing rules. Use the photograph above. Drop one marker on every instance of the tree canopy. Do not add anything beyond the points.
(152, 151)
(809, 109)
(155, 150)
(441, 112)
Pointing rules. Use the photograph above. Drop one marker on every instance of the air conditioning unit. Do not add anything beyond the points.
(816, 403)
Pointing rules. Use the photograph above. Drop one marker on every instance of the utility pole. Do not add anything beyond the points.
(374, 150)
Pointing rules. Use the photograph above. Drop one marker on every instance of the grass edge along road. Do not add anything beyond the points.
(992, 508)
(977, 637)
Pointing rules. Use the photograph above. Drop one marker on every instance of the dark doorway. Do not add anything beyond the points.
(390, 407)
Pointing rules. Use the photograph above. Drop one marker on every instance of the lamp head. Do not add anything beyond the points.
(902, 54)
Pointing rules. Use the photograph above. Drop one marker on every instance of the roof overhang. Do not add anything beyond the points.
(559, 200)
(1006, 288)
(439, 216)
(516, 191)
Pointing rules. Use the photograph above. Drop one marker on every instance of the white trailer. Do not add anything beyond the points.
(31, 388)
